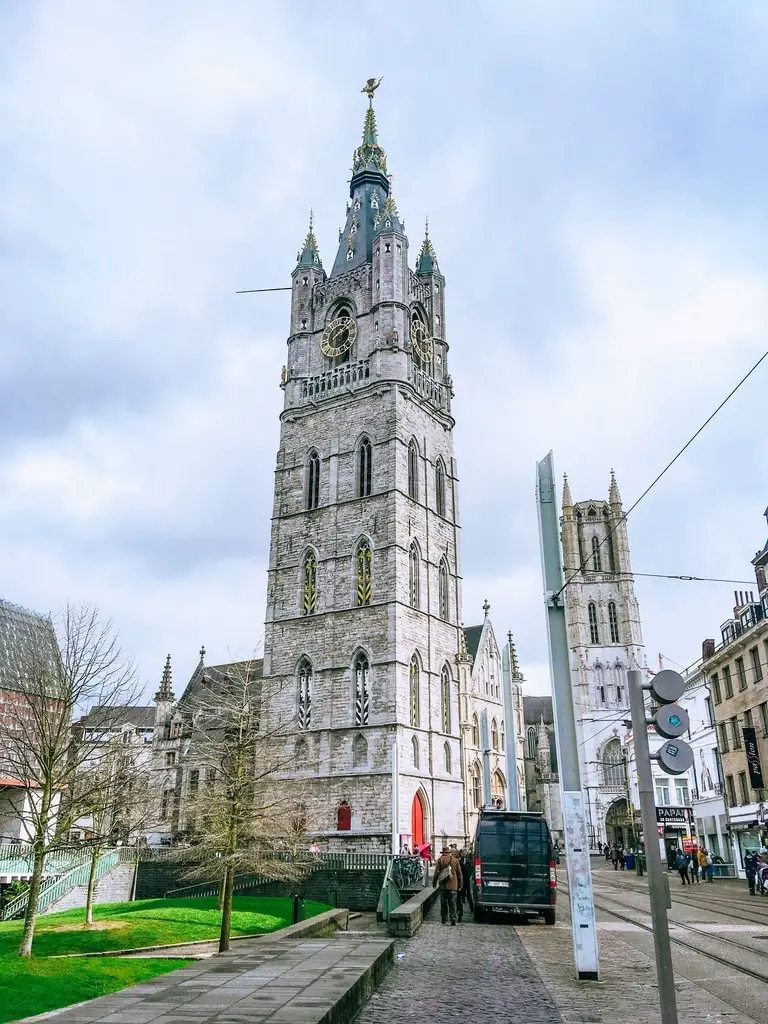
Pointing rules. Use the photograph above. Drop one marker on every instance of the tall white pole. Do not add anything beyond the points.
(577, 863)
(396, 799)
(510, 730)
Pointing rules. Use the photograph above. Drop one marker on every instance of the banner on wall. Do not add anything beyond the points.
(753, 758)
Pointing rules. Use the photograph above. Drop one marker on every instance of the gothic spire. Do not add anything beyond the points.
(166, 686)
(613, 495)
(427, 261)
(369, 163)
(567, 499)
(309, 256)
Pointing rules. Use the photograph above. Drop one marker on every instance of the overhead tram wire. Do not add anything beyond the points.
(663, 576)
(251, 291)
(668, 466)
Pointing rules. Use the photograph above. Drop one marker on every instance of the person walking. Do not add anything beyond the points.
(682, 866)
(615, 857)
(750, 867)
(693, 866)
(448, 879)
(454, 852)
(607, 853)
(702, 858)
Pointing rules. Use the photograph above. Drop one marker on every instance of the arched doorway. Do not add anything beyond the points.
(618, 824)
(417, 821)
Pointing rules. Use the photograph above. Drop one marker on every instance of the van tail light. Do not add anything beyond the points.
(478, 871)
(552, 875)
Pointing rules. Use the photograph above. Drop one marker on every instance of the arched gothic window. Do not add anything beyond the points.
(442, 590)
(596, 564)
(594, 632)
(613, 622)
(413, 680)
(498, 789)
(365, 467)
(413, 575)
(413, 471)
(415, 752)
(305, 693)
(445, 698)
(313, 480)
(364, 587)
(476, 785)
(359, 752)
(613, 765)
(533, 743)
(440, 487)
(309, 584)
(502, 735)
(494, 734)
(475, 731)
(362, 673)
(447, 757)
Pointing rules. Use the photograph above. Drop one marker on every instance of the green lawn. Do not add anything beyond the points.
(37, 985)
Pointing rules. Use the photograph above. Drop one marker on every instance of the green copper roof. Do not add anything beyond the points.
(309, 256)
(427, 261)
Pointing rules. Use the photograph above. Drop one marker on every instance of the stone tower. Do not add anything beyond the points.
(605, 640)
(363, 593)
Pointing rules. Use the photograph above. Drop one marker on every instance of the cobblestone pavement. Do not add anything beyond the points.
(473, 974)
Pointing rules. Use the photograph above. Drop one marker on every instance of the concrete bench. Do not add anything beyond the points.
(406, 919)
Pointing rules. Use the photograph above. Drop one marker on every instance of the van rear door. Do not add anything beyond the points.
(515, 853)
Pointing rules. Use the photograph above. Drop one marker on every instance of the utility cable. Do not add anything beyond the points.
(662, 576)
(668, 466)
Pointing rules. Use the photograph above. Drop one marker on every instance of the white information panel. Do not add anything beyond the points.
(580, 885)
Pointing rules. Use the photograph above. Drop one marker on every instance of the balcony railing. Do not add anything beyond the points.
(347, 375)
(429, 388)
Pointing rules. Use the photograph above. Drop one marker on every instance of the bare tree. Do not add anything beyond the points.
(63, 669)
(235, 815)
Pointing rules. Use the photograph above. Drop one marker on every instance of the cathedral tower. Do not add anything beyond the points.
(605, 640)
(363, 593)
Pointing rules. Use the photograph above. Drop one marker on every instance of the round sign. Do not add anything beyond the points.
(671, 721)
(667, 686)
(674, 756)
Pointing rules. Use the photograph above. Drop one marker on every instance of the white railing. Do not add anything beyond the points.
(52, 888)
(347, 375)
(429, 388)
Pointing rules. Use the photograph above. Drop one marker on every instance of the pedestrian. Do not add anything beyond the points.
(607, 853)
(750, 867)
(454, 852)
(693, 866)
(681, 863)
(447, 878)
(615, 858)
(702, 858)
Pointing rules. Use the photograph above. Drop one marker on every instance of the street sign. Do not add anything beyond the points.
(675, 757)
(671, 721)
(667, 686)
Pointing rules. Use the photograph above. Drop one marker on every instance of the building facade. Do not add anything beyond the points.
(542, 779)
(736, 670)
(605, 640)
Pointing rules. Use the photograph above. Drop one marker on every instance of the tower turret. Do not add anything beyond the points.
(307, 273)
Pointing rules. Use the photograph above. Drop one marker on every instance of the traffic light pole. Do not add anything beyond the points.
(658, 882)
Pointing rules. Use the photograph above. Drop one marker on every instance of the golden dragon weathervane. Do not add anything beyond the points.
(371, 86)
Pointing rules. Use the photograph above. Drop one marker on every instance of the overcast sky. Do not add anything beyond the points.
(595, 180)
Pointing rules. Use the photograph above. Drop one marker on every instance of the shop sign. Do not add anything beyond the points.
(674, 815)
(688, 845)
(753, 758)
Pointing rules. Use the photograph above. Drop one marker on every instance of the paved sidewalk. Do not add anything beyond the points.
(298, 981)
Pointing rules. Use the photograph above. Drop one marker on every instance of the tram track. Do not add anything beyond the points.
(705, 902)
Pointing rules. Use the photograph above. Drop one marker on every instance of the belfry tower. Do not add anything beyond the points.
(605, 640)
(363, 594)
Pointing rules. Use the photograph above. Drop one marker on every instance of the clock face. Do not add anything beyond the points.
(338, 336)
(421, 341)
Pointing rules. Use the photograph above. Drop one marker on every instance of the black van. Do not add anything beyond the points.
(514, 865)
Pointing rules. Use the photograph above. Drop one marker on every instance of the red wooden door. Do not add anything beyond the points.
(417, 821)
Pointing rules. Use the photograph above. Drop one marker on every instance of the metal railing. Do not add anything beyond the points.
(52, 888)
(330, 860)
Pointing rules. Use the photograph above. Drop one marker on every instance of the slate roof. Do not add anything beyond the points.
(214, 676)
(472, 636)
(533, 707)
(142, 717)
(19, 628)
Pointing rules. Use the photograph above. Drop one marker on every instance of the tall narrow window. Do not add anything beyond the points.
(364, 586)
(442, 590)
(440, 488)
(413, 471)
(594, 633)
(613, 622)
(309, 584)
(596, 554)
(413, 679)
(413, 575)
(447, 757)
(305, 693)
(365, 464)
(415, 751)
(533, 743)
(313, 480)
(445, 698)
(494, 734)
(476, 784)
(362, 672)
(475, 731)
